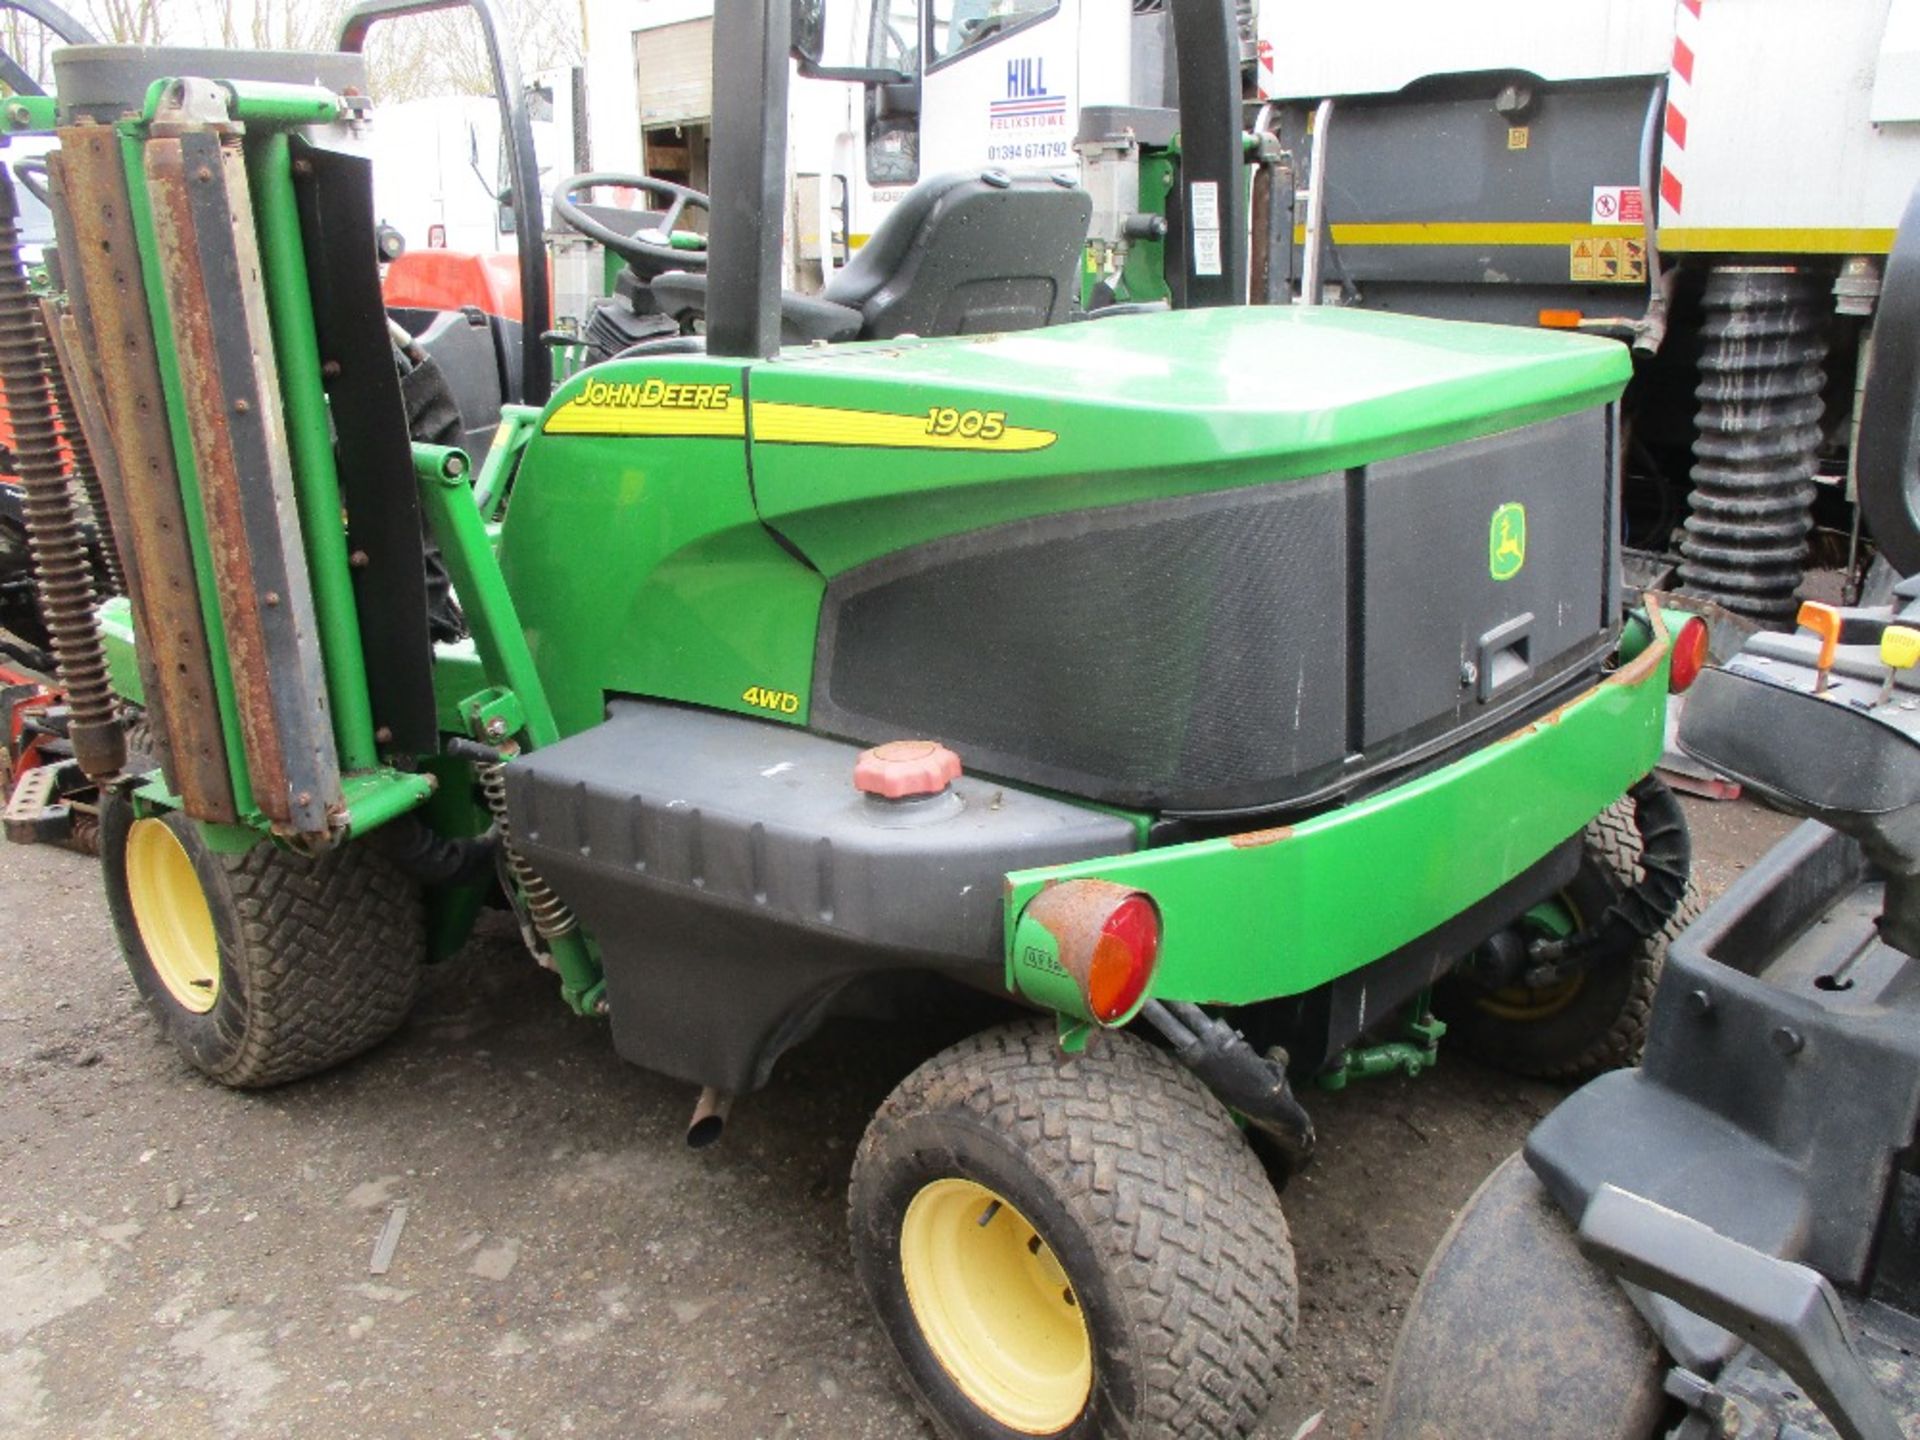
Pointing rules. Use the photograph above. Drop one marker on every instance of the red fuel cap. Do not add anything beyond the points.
(903, 768)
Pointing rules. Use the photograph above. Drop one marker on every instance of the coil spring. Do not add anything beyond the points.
(84, 473)
(61, 566)
(1757, 443)
(549, 913)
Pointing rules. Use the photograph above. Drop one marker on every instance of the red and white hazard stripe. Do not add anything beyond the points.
(1686, 30)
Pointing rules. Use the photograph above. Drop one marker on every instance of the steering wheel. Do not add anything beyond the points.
(633, 248)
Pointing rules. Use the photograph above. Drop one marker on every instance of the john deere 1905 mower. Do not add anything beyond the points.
(1216, 684)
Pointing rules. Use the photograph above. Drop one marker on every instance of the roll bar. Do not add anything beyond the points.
(536, 309)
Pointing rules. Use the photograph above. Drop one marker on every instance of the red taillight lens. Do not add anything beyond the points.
(1124, 954)
(1689, 654)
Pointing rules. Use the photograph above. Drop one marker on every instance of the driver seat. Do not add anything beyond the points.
(965, 253)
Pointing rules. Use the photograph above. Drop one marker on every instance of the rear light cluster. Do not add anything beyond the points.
(1087, 949)
(1124, 955)
(1689, 654)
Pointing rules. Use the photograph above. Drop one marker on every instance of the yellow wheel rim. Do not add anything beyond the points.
(170, 909)
(997, 1310)
(1518, 1003)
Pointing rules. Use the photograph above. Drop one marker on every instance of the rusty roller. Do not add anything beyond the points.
(61, 566)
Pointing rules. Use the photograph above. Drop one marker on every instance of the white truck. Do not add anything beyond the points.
(1718, 181)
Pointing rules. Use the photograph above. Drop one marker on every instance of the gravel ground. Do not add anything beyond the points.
(177, 1260)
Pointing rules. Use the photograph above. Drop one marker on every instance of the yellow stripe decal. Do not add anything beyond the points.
(1449, 232)
(939, 427)
(1735, 239)
(1745, 240)
(662, 409)
(651, 407)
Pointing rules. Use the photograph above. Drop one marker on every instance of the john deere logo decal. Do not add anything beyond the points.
(1507, 541)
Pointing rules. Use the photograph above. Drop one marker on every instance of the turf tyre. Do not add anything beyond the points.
(319, 956)
(1156, 1209)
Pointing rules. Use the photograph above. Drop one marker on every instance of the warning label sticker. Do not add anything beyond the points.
(1615, 260)
(1618, 205)
(1203, 202)
(1206, 252)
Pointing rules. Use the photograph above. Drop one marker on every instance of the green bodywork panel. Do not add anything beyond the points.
(649, 560)
(639, 565)
(1280, 912)
(1149, 406)
(116, 632)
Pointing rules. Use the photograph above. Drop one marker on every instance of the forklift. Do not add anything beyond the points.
(1241, 696)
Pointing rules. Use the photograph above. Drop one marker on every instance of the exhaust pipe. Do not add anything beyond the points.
(709, 1118)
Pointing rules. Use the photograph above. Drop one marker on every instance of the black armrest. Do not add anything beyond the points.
(803, 318)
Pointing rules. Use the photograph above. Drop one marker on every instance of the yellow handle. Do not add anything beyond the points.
(1900, 647)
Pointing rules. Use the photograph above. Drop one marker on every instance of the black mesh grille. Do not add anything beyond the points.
(1179, 653)
(1245, 649)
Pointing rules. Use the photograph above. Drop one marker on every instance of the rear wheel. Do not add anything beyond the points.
(265, 966)
(1594, 1019)
(1072, 1245)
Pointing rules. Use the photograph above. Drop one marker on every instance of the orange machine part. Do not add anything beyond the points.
(450, 279)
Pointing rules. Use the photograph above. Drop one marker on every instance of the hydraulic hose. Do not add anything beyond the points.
(419, 851)
(1666, 858)
(1245, 1081)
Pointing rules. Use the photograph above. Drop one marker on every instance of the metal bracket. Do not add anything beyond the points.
(188, 103)
(1415, 1053)
(37, 812)
(1074, 1034)
(493, 715)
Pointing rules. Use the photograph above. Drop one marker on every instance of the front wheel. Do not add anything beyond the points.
(265, 966)
(1072, 1245)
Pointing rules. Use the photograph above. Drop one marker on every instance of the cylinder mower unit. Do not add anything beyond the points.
(254, 672)
(1236, 697)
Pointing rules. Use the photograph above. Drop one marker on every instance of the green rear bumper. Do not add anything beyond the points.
(1281, 912)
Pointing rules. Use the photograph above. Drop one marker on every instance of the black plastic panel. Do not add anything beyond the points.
(374, 452)
(1433, 608)
(736, 881)
(1245, 649)
(1184, 651)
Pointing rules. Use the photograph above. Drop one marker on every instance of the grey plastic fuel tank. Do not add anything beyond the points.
(736, 882)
